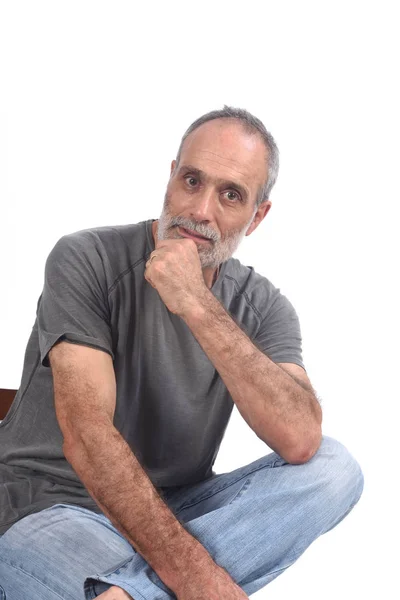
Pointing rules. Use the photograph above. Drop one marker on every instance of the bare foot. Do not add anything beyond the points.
(115, 593)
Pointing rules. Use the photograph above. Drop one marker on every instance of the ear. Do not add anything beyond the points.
(172, 166)
(259, 216)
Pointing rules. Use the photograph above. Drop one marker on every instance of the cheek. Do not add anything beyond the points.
(179, 199)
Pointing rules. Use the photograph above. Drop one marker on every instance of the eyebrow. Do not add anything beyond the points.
(201, 175)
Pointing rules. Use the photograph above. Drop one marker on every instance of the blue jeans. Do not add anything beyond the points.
(254, 521)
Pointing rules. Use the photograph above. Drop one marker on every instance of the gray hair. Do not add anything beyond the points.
(251, 125)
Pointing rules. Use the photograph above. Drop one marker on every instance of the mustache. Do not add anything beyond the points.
(196, 229)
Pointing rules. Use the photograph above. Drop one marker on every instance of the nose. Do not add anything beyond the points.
(203, 206)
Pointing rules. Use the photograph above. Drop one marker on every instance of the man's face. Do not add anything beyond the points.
(199, 198)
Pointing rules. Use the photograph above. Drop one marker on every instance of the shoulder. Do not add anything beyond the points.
(257, 290)
(111, 250)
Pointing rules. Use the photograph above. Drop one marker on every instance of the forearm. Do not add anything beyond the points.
(282, 413)
(115, 479)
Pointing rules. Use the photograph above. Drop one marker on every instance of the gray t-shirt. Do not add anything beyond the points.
(172, 407)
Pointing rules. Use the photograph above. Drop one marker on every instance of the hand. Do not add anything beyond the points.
(217, 585)
(176, 274)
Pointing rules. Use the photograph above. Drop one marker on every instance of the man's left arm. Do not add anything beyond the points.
(283, 413)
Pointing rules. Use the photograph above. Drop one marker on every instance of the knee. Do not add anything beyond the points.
(340, 471)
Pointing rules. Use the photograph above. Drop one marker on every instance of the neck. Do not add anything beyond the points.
(216, 275)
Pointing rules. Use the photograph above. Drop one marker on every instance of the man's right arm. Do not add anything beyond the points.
(85, 398)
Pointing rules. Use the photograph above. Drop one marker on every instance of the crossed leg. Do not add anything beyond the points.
(255, 522)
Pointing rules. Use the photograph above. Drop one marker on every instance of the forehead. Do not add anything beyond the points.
(223, 147)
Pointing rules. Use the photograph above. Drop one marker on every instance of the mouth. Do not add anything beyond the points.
(192, 235)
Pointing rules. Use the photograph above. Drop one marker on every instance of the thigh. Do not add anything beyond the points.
(332, 468)
(190, 501)
(49, 554)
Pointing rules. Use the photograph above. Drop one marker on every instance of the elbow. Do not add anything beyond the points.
(310, 441)
(304, 452)
(300, 458)
(302, 449)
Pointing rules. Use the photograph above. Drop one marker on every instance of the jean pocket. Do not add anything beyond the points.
(2, 594)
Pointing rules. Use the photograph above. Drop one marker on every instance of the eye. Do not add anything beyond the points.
(233, 192)
(189, 177)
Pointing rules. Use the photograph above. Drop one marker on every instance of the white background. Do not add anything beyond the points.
(95, 97)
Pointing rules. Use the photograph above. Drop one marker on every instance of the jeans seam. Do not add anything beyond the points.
(223, 487)
(90, 590)
(244, 486)
(37, 509)
(108, 574)
(121, 582)
(244, 583)
(131, 589)
(33, 577)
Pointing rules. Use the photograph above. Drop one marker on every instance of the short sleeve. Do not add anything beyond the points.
(279, 335)
(73, 305)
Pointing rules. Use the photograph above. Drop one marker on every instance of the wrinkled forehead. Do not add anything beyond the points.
(226, 145)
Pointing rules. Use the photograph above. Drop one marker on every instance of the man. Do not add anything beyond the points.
(146, 337)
